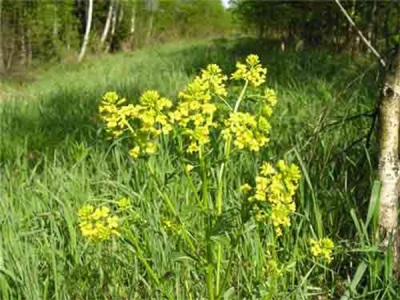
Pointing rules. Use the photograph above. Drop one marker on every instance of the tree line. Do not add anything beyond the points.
(42, 30)
(321, 23)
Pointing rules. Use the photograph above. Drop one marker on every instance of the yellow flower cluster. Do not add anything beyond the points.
(96, 224)
(195, 112)
(251, 72)
(246, 131)
(322, 248)
(250, 131)
(109, 112)
(273, 195)
(144, 122)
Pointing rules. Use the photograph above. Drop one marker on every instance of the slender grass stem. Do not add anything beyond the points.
(171, 207)
(149, 269)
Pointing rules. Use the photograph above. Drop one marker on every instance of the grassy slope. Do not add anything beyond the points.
(53, 159)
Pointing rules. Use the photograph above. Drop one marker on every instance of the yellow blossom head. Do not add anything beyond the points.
(123, 203)
(322, 248)
(96, 224)
(251, 72)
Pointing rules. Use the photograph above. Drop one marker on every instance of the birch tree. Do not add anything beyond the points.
(389, 113)
(108, 23)
(87, 31)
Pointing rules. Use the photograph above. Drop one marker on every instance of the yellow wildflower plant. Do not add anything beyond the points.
(322, 248)
(97, 224)
(273, 194)
(212, 123)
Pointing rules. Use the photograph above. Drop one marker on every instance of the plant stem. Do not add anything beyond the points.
(241, 96)
(208, 221)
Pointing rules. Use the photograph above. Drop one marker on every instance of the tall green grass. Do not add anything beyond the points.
(54, 158)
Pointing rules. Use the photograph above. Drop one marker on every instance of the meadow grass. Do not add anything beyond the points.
(54, 159)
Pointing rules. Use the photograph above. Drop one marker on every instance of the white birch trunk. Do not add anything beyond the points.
(87, 31)
(108, 23)
(113, 25)
(133, 18)
(389, 109)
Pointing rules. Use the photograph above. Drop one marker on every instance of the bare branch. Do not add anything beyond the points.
(368, 43)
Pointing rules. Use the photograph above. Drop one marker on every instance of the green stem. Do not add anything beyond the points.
(193, 188)
(241, 96)
(208, 221)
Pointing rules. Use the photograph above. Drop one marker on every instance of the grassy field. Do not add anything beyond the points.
(54, 158)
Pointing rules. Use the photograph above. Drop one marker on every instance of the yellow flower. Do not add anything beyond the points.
(267, 169)
(112, 222)
(134, 152)
(188, 168)
(151, 148)
(274, 192)
(85, 211)
(96, 224)
(322, 248)
(123, 203)
(245, 188)
(245, 131)
(100, 212)
(193, 147)
(252, 71)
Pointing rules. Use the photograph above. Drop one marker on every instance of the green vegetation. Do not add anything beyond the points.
(54, 159)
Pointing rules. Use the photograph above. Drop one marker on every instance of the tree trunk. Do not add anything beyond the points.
(133, 27)
(150, 28)
(2, 66)
(389, 109)
(113, 26)
(87, 31)
(108, 22)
